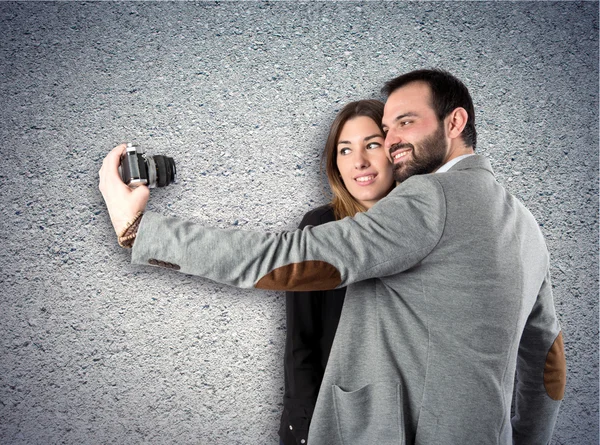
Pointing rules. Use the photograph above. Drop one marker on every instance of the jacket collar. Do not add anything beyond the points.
(470, 162)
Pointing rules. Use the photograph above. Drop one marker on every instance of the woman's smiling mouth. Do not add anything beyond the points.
(366, 179)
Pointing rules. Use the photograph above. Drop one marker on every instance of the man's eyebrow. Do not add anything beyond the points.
(402, 116)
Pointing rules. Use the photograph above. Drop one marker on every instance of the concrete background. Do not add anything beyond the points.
(95, 350)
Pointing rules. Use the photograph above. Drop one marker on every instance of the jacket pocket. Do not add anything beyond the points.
(370, 415)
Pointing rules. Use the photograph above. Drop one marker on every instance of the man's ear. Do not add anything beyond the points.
(456, 122)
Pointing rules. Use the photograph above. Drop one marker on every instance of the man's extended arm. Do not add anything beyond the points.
(393, 236)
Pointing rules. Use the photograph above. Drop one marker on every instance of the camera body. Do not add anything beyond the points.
(137, 168)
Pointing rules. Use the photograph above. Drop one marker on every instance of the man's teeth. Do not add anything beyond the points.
(365, 178)
(400, 155)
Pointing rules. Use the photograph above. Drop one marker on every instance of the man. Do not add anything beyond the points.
(449, 291)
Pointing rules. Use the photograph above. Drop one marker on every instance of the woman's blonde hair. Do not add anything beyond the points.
(343, 203)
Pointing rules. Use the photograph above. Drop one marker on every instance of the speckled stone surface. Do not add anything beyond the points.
(94, 350)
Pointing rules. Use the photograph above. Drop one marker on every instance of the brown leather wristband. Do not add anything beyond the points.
(128, 234)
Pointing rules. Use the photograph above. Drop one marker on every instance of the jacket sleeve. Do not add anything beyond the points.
(541, 373)
(394, 235)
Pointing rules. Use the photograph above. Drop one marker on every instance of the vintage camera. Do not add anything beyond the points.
(138, 168)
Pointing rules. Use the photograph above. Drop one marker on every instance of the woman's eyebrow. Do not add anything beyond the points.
(378, 135)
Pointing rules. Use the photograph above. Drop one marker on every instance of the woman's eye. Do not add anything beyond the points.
(344, 151)
(372, 145)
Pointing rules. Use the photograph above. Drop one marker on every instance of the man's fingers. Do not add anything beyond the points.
(140, 196)
(112, 160)
(116, 152)
(110, 166)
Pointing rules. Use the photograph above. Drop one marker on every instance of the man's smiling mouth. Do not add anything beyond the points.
(397, 155)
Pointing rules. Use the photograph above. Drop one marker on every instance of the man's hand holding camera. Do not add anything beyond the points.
(122, 202)
(125, 176)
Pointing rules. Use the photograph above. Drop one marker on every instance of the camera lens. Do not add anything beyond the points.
(165, 170)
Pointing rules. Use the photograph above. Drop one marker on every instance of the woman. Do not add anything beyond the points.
(359, 174)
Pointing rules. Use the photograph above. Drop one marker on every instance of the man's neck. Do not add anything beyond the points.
(454, 153)
(457, 150)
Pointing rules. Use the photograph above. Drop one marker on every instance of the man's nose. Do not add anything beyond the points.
(391, 138)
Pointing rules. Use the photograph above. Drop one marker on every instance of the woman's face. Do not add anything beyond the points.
(362, 161)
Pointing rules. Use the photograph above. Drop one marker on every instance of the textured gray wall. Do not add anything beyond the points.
(95, 350)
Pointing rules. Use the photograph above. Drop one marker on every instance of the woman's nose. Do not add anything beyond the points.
(361, 161)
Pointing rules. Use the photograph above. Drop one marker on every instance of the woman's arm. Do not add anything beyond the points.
(304, 348)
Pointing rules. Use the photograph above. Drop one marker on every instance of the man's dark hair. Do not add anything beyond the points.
(447, 94)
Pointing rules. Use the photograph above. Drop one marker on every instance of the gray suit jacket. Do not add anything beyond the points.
(448, 295)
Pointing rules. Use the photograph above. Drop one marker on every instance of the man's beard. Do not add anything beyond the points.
(432, 151)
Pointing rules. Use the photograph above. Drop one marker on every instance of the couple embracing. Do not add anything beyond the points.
(448, 292)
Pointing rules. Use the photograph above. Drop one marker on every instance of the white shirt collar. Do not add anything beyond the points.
(448, 165)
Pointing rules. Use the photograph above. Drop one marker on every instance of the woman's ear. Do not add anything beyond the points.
(456, 122)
